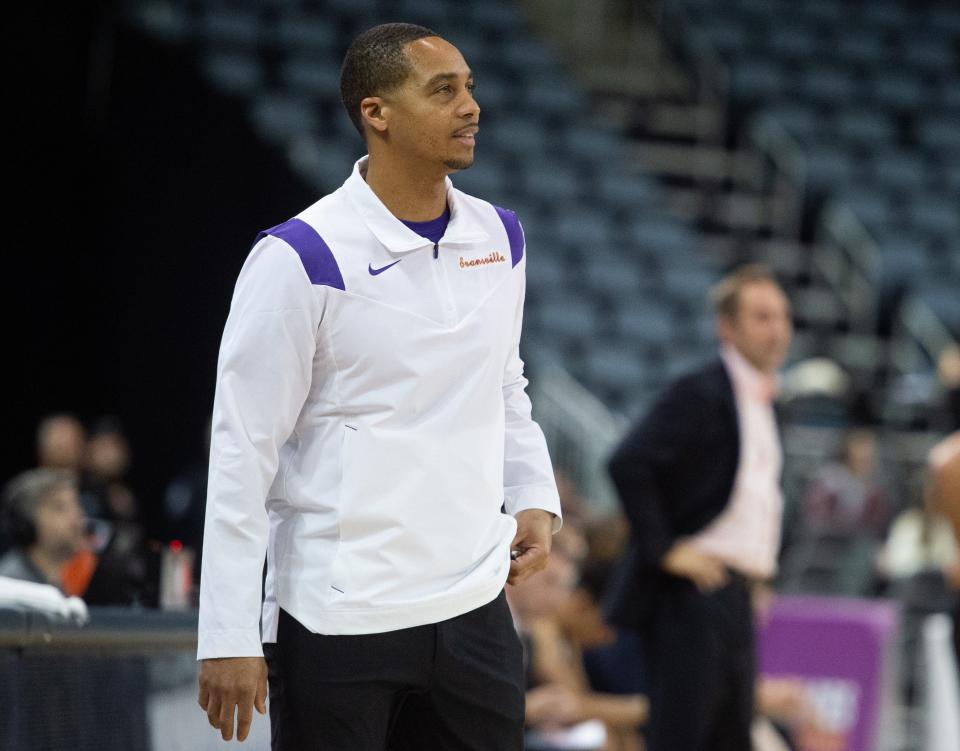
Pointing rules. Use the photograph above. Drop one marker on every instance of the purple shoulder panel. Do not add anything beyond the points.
(315, 254)
(514, 233)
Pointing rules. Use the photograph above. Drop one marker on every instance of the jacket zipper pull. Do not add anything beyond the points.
(436, 250)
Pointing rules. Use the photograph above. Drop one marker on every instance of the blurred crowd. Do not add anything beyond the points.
(73, 520)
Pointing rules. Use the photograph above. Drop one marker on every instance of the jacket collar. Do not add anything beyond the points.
(393, 234)
(746, 379)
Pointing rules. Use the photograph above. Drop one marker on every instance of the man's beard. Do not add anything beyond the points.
(458, 164)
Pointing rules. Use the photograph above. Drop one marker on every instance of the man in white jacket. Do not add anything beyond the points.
(372, 438)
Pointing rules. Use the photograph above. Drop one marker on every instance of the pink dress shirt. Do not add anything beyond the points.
(746, 535)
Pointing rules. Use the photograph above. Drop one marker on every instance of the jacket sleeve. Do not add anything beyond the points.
(527, 470)
(263, 377)
(650, 452)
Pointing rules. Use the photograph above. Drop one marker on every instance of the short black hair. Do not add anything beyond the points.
(376, 62)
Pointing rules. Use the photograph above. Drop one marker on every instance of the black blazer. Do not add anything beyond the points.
(674, 472)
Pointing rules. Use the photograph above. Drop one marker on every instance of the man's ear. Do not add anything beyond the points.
(374, 112)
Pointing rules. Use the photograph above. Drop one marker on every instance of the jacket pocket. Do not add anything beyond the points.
(339, 570)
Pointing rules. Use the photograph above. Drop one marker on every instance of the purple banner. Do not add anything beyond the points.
(843, 652)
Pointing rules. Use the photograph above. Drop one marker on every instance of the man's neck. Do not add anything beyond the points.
(413, 195)
(50, 568)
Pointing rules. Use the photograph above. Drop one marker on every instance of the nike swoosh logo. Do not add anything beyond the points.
(374, 272)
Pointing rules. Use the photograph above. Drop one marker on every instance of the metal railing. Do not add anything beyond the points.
(580, 431)
(125, 681)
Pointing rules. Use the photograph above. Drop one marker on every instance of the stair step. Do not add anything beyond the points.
(683, 121)
(696, 162)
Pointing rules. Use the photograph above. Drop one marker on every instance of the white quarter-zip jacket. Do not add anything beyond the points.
(370, 424)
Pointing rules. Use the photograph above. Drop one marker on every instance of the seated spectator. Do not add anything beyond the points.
(44, 520)
(920, 541)
(559, 693)
(612, 657)
(119, 571)
(61, 442)
(103, 488)
(846, 495)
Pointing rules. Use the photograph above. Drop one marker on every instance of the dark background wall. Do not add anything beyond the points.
(134, 194)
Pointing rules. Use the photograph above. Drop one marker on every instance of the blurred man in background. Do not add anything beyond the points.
(44, 521)
(698, 478)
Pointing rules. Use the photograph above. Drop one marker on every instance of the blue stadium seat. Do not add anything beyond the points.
(594, 144)
(728, 37)
(833, 85)
(928, 53)
(941, 134)
(311, 75)
(945, 18)
(616, 367)
(687, 281)
(943, 299)
(829, 166)
(496, 20)
(231, 26)
(645, 321)
(612, 276)
(551, 182)
(663, 236)
(524, 136)
(796, 41)
(830, 12)
(871, 206)
(234, 72)
(584, 228)
(551, 94)
(486, 178)
(899, 90)
(354, 8)
(315, 35)
(569, 317)
(935, 215)
(801, 121)
(887, 14)
(430, 13)
(757, 79)
(281, 117)
(862, 46)
(545, 277)
(865, 127)
(900, 170)
(626, 191)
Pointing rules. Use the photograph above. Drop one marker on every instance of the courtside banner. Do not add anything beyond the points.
(844, 653)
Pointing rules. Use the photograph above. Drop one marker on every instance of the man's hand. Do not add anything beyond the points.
(704, 570)
(533, 540)
(552, 706)
(233, 682)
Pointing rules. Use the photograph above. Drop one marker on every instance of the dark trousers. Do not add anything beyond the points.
(457, 684)
(699, 649)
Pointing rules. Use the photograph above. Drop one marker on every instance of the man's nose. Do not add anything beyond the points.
(470, 107)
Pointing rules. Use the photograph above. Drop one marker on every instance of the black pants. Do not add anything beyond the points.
(699, 649)
(457, 684)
